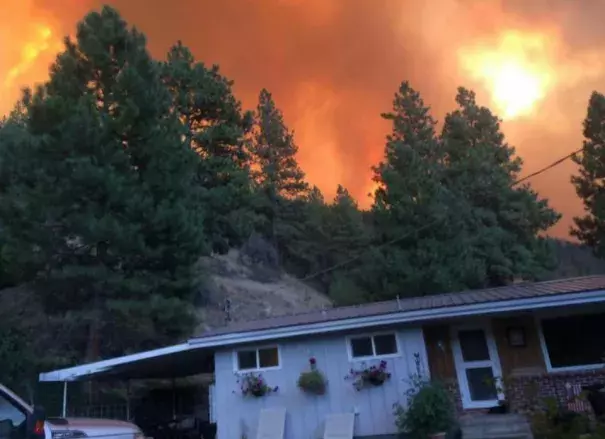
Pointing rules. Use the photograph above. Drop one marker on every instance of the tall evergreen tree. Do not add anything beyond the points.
(347, 238)
(215, 129)
(98, 195)
(303, 222)
(447, 217)
(501, 223)
(275, 152)
(345, 228)
(279, 178)
(410, 204)
(590, 228)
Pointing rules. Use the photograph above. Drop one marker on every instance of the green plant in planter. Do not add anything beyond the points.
(430, 409)
(312, 381)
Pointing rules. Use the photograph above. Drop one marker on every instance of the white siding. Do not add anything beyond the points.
(305, 414)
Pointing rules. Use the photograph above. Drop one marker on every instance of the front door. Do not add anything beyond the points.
(477, 366)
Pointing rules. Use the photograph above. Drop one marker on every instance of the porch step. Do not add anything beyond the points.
(503, 426)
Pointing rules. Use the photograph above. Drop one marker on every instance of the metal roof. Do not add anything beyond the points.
(524, 290)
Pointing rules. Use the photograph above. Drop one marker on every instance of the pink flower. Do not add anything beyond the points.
(312, 360)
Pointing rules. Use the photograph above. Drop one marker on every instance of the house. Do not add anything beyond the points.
(547, 335)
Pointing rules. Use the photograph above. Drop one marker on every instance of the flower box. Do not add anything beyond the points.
(369, 376)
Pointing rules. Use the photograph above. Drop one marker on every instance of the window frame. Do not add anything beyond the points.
(544, 348)
(349, 339)
(236, 368)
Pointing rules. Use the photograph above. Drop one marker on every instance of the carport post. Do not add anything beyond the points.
(173, 399)
(128, 400)
(64, 410)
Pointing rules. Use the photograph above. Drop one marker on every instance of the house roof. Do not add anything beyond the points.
(178, 360)
(524, 290)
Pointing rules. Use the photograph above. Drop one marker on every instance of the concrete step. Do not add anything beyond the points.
(504, 426)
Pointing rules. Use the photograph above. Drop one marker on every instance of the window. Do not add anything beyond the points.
(12, 420)
(373, 345)
(254, 359)
(575, 341)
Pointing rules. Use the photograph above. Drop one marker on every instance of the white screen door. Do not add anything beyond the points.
(477, 367)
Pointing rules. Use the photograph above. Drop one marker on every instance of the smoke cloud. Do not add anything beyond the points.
(333, 66)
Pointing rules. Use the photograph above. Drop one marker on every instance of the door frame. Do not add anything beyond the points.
(486, 327)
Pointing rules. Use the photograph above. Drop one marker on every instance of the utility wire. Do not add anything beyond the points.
(549, 167)
(432, 223)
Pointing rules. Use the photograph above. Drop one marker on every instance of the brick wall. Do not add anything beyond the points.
(525, 390)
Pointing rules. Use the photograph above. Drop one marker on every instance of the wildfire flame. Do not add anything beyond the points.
(28, 63)
(42, 41)
(516, 70)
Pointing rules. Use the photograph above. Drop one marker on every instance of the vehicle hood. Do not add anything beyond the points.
(92, 425)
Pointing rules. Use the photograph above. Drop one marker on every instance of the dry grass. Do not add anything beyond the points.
(255, 292)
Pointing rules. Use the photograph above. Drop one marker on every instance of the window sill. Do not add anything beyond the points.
(259, 370)
(585, 368)
(372, 358)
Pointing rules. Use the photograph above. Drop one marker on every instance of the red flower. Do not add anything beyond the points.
(312, 360)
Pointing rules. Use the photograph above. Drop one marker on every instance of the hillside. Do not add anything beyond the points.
(574, 260)
(240, 290)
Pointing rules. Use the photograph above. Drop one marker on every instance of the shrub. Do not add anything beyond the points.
(553, 422)
(260, 251)
(430, 410)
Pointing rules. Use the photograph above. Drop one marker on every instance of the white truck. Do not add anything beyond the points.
(18, 420)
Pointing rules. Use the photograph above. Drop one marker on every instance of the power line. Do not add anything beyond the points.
(552, 165)
(432, 223)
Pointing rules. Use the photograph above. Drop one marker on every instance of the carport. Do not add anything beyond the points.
(169, 363)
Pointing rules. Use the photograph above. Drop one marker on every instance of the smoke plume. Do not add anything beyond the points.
(333, 66)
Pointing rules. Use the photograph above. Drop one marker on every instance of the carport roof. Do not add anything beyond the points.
(170, 362)
(192, 357)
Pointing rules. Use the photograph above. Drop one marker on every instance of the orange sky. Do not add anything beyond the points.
(333, 66)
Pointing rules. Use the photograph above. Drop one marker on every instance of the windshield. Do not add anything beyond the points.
(13, 419)
(8, 394)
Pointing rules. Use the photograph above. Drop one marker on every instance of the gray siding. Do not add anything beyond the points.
(237, 416)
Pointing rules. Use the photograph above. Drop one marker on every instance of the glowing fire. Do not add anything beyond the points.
(28, 62)
(42, 41)
(517, 71)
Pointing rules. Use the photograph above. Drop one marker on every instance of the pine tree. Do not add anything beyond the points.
(590, 228)
(302, 221)
(347, 238)
(501, 223)
(275, 152)
(279, 178)
(410, 197)
(215, 129)
(345, 228)
(447, 215)
(101, 206)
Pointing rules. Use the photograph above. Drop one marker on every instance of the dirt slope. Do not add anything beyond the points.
(251, 292)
